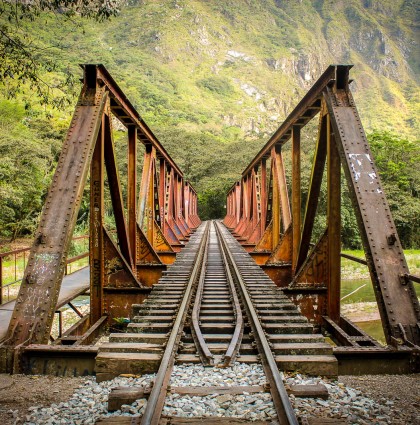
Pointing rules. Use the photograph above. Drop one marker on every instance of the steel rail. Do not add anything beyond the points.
(154, 407)
(207, 358)
(205, 354)
(235, 343)
(281, 400)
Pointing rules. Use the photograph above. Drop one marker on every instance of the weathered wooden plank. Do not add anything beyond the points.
(128, 395)
(309, 391)
(125, 395)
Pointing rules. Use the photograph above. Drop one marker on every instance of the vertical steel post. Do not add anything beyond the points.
(263, 197)
(132, 190)
(276, 210)
(187, 205)
(60, 323)
(334, 224)
(284, 195)
(296, 194)
(96, 257)
(246, 200)
(254, 199)
(144, 189)
(162, 195)
(318, 167)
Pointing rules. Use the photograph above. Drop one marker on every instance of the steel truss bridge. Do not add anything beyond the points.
(158, 215)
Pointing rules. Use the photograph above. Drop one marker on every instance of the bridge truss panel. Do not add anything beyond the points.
(311, 273)
(124, 263)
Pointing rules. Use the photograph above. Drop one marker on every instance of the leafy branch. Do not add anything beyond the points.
(26, 62)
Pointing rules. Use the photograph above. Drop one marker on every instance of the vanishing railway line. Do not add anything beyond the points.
(215, 306)
(207, 301)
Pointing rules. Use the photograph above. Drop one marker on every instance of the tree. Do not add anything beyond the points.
(25, 60)
(29, 149)
(397, 160)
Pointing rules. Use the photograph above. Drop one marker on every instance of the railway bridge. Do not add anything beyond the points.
(254, 287)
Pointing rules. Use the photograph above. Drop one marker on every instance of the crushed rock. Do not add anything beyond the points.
(368, 399)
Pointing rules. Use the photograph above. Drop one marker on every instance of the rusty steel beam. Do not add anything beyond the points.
(397, 301)
(115, 191)
(296, 193)
(132, 188)
(286, 214)
(146, 197)
(97, 212)
(35, 305)
(114, 268)
(334, 225)
(314, 191)
(285, 251)
(263, 196)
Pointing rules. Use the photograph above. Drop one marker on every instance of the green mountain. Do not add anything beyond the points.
(238, 67)
(214, 79)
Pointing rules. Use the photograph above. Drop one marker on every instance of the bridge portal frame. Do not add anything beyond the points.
(152, 224)
(276, 233)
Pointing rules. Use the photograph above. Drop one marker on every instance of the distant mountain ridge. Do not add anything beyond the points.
(244, 64)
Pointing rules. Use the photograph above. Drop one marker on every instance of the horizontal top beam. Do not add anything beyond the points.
(187, 183)
(128, 115)
(306, 109)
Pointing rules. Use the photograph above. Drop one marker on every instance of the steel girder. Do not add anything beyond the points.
(151, 224)
(278, 235)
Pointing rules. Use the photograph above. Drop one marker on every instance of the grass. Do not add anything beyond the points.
(352, 270)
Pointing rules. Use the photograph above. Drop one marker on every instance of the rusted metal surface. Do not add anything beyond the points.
(314, 190)
(35, 305)
(333, 225)
(296, 193)
(59, 360)
(398, 304)
(284, 245)
(120, 269)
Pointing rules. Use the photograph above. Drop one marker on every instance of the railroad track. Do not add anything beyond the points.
(215, 306)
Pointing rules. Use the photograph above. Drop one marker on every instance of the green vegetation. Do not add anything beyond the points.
(352, 270)
(29, 148)
(216, 85)
(214, 80)
(398, 162)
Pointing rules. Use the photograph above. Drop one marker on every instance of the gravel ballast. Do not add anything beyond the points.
(355, 400)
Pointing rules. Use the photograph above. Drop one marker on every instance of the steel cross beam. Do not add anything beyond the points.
(280, 239)
(122, 264)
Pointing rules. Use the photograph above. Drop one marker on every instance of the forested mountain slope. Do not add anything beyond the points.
(214, 79)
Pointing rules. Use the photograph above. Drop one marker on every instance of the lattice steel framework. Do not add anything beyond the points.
(152, 224)
(276, 233)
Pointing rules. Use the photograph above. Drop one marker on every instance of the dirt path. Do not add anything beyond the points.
(19, 392)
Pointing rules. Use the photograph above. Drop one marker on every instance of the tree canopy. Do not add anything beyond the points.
(27, 60)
